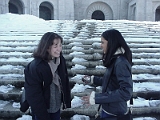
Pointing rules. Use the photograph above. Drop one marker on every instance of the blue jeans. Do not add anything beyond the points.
(53, 116)
(105, 116)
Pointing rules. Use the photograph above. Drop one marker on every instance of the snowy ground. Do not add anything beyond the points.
(27, 22)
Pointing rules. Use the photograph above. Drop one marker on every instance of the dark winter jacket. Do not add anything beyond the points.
(38, 77)
(120, 88)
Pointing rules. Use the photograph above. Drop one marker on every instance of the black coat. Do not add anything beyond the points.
(119, 91)
(38, 77)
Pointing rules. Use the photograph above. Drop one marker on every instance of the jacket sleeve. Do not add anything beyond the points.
(97, 81)
(122, 72)
(34, 92)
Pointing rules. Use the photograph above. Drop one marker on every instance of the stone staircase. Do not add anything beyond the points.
(81, 41)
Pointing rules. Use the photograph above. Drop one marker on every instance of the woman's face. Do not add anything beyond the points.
(104, 44)
(56, 48)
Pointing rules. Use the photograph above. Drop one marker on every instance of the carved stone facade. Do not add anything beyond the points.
(139, 10)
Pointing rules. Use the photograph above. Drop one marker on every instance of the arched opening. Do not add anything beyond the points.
(15, 6)
(99, 11)
(157, 15)
(46, 11)
(98, 15)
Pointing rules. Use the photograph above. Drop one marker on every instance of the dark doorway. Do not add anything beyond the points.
(157, 15)
(98, 15)
(13, 8)
(45, 13)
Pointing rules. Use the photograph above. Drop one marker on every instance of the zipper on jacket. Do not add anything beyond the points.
(64, 104)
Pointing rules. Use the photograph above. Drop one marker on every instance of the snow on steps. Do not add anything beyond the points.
(13, 112)
(20, 44)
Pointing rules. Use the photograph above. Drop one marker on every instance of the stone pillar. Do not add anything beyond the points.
(132, 10)
(27, 7)
(61, 9)
(4, 6)
(69, 9)
(149, 11)
(141, 10)
(144, 10)
(1, 7)
(34, 9)
(66, 9)
(123, 9)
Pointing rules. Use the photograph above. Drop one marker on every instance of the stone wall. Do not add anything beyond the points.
(140, 10)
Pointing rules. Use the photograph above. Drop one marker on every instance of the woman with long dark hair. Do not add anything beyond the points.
(46, 79)
(117, 85)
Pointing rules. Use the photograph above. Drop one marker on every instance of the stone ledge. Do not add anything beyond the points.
(19, 82)
(16, 93)
(10, 112)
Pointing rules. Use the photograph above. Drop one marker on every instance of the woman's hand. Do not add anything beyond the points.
(86, 79)
(90, 99)
(85, 100)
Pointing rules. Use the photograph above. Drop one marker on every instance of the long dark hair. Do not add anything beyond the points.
(115, 42)
(44, 44)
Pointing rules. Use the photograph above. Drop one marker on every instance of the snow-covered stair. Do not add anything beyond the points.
(81, 48)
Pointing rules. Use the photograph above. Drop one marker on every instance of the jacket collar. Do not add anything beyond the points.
(119, 51)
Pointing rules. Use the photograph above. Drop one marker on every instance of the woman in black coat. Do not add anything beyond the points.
(117, 84)
(46, 79)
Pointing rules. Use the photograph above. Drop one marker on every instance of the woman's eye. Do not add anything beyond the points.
(54, 46)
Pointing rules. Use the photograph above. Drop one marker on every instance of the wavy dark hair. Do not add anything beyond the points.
(115, 42)
(44, 44)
